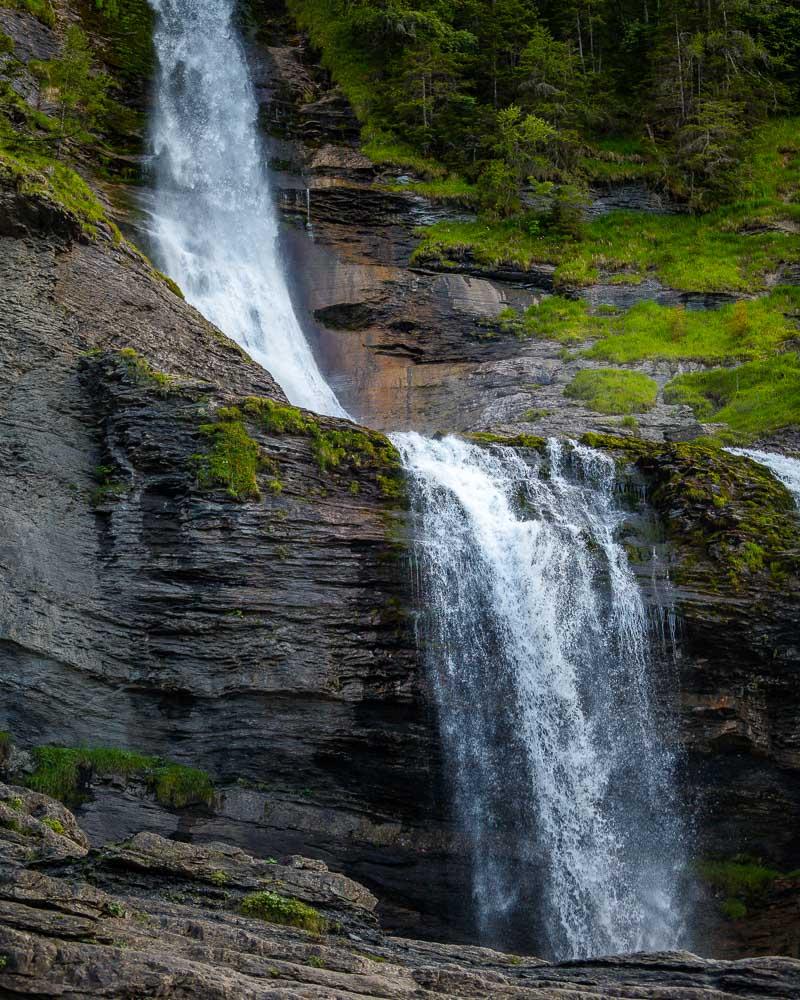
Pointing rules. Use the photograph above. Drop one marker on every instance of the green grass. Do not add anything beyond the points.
(386, 151)
(721, 251)
(234, 458)
(754, 399)
(451, 189)
(284, 910)
(613, 391)
(689, 253)
(42, 10)
(33, 173)
(741, 331)
(744, 330)
(743, 881)
(58, 772)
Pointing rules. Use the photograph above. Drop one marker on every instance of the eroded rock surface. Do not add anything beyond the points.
(153, 917)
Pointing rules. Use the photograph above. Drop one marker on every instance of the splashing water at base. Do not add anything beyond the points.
(214, 225)
(781, 466)
(530, 605)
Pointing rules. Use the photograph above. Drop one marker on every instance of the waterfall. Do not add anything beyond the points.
(214, 227)
(534, 626)
(781, 466)
(539, 654)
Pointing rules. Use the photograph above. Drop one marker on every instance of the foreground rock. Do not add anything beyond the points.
(171, 925)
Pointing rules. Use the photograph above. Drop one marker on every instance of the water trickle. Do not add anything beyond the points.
(539, 651)
(781, 466)
(214, 227)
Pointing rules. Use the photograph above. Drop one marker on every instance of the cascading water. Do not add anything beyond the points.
(781, 466)
(536, 628)
(540, 660)
(214, 224)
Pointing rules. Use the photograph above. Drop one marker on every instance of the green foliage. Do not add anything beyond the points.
(54, 824)
(278, 909)
(42, 10)
(612, 390)
(234, 458)
(36, 174)
(60, 772)
(127, 28)
(742, 881)
(752, 400)
(77, 88)
(144, 373)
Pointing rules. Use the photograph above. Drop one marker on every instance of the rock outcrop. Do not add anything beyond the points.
(152, 917)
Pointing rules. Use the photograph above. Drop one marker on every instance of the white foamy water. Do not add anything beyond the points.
(781, 466)
(538, 642)
(214, 226)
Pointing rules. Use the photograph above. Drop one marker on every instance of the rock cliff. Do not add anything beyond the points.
(194, 571)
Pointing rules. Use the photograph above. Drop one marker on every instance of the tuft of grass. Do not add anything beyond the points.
(42, 10)
(741, 880)
(753, 399)
(234, 458)
(144, 373)
(54, 824)
(612, 390)
(451, 189)
(59, 772)
(279, 909)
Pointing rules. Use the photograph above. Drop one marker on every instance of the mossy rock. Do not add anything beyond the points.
(725, 508)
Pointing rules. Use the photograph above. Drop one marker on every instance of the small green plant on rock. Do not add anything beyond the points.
(54, 824)
(279, 909)
(60, 771)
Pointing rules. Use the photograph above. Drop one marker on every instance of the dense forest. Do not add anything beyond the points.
(510, 90)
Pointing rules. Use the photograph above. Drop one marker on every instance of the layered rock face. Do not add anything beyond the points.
(152, 917)
(267, 640)
(270, 639)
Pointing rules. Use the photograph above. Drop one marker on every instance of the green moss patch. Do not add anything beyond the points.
(279, 909)
(345, 449)
(752, 400)
(612, 390)
(144, 373)
(60, 772)
(724, 507)
(742, 881)
(517, 441)
(234, 458)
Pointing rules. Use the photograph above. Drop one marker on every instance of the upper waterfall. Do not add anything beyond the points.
(214, 226)
(540, 659)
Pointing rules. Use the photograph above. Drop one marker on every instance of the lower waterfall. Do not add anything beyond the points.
(538, 647)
